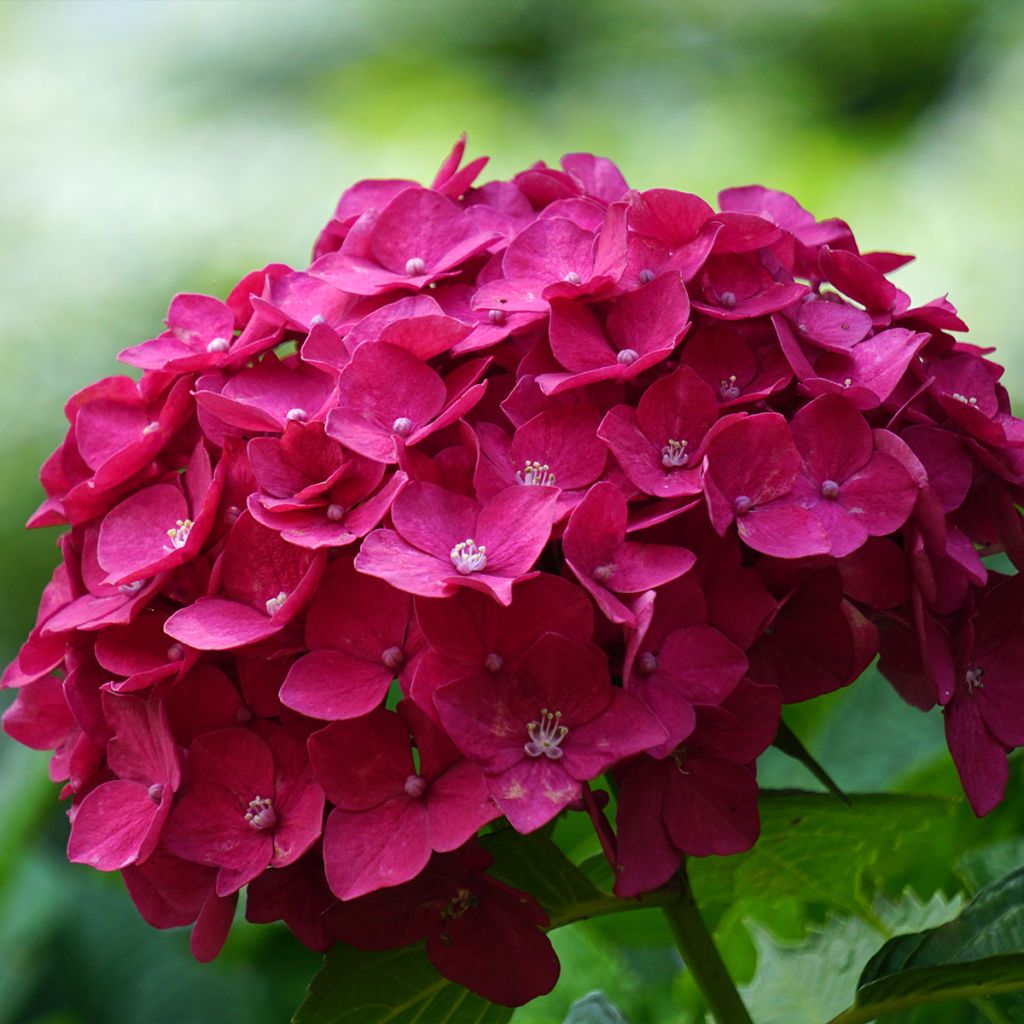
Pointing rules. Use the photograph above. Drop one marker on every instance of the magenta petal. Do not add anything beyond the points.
(458, 805)
(376, 848)
(624, 728)
(647, 858)
(380, 386)
(784, 530)
(386, 555)
(515, 525)
(532, 792)
(216, 624)
(980, 759)
(333, 685)
(833, 438)
(362, 763)
(111, 825)
(639, 567)
(712, 808)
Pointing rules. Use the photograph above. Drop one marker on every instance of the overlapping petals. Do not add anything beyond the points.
(517, 484)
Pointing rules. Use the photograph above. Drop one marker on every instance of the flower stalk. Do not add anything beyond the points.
(702, 959)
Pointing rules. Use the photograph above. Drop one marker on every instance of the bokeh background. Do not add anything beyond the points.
(153, 147)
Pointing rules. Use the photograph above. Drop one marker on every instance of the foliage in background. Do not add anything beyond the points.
(189, 142)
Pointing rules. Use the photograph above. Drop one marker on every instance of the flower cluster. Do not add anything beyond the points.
(516, 485)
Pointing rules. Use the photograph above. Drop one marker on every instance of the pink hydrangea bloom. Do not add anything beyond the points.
(581, 480)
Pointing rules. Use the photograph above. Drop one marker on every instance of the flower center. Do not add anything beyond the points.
(462, 901)
(275, 604)
(218, 345)
(393, 658)
(536, 473)
(156, 792)
(260, 814)
(646, 276)
(847, 381)
(494, 663)
(175, 652)
(973, 679)
(402, 426)
(130, 588)
(572, 278)
(728, 388)
(179, 533)
(335, 513)
(728, 299)
(627, 357)
(679, 756)
(546, 735)
(673, 455)
(296, 415)
(415, 266)
(647, 663)
(467, 557)
(830, 490)
(150, 428)
(603, 573)
(497, 316)
(415, 786)
(742, 505)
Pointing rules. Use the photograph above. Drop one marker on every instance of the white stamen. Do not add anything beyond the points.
(415, 266)
(627, 357)
(275, 604)
(973, 679)
(150, 428)
(130, 588)
(728, 389)
(963, 398)
(260, 814)
(402, 426)
(299, 415)
(847, 381)
(218, 345)
(572, 278)
(467, 557)
(546, 735)
(315, 321)
(673, 455)
(603, 573)
(536, 474)
(179, 534)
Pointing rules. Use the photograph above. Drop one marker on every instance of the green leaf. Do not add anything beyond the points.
(816, 850)
(791, 745)
(394, 986)
(535, 864)
(978, 954)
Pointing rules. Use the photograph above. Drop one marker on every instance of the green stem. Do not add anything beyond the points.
(702, 958)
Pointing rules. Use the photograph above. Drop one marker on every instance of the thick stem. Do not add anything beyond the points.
(702, 958)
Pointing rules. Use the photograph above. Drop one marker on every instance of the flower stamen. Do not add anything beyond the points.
(467, 557)
(546, 735)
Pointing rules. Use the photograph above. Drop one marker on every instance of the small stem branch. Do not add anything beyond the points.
(702, 958)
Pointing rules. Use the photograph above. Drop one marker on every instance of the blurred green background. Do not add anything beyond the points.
(155, 147)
